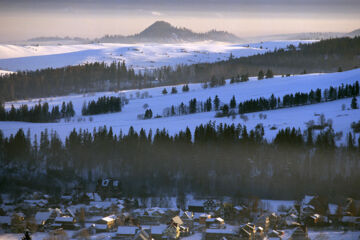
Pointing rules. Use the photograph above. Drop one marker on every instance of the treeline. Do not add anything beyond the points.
(297, 99)
(264, 104)
(37, 113)
(102, 105)
(88, 77)
(214, 160)
(323, 56)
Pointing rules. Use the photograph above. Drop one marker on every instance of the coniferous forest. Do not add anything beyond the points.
(102, 105)
(215, 160)
(38, 113)
(323, 56)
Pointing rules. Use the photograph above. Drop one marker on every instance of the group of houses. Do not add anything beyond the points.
(123, 219)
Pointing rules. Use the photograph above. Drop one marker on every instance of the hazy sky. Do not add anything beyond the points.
(23, 19)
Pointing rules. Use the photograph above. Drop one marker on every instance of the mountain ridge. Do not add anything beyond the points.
(164, 32)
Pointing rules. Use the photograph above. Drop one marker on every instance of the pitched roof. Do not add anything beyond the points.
(177, 220)
(127, 230)
(42, 216)
(64, 219)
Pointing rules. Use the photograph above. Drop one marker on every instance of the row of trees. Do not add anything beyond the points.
(263, 104)
(102, 105)
(37, 113)
(216, 160)
(289, 100)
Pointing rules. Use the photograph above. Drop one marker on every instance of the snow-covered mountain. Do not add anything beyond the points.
(138, 56)
(164, 32)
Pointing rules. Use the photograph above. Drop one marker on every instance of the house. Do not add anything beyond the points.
(126, 232)
(174, 228)
(196, 206)
(158, 231)
(274, 235)
(300, 233)
(215, 223)
(247, 231)
(314, 204)
(106, 223)
(259, 233)
(36, 203)
(188, 219)
(218, 234)
(201, 217)
(5, 222)
(67, 223)
(43, 218)
(263, 221)
(142, 235)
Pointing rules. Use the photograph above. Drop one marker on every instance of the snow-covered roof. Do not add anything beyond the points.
(219, 231)
(177, 220)
(127, 230)
(64, 219)
(158, 229)
(33, 203)
(42, 216)
(101, 226)
(109, 218)
(100, 205)
(196, 203)
(307, 199)
(5, 220)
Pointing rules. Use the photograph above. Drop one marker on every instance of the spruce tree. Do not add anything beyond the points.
(354, 104)
(260, 75)
(216, 103)
(269, 74)
(173, 90)
(233, 102)
(225, 109)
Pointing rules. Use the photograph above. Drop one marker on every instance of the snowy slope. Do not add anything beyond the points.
(290, 117)
(138, 56)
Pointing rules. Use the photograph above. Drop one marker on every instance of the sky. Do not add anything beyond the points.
(24, 19)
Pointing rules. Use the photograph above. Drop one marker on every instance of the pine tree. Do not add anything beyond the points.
(173, 90)
(63, 110)
(164, 91)
(354, 104)
(225, 109)
(260, 75)
(269, 74)
(216, 103)
(309, 140)
(233, 102)
(185, 88)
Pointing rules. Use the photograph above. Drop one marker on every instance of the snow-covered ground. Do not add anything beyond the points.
(138, 56)
(3, 72)
(282, 118)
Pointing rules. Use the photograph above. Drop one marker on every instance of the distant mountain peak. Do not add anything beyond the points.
(164, 32)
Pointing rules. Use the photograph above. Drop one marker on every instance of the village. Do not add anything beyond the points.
(102, 215)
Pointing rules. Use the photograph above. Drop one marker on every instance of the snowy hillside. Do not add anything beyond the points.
(138, 56)
(289, 117)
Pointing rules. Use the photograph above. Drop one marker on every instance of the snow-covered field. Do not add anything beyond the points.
(282, 118)
(138, 56)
